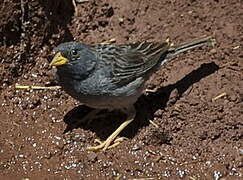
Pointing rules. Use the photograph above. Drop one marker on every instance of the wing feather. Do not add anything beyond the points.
(129, 62)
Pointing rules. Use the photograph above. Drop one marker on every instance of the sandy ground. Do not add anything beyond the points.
(195, 137)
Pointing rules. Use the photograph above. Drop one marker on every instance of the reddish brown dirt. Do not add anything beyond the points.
(196, 138)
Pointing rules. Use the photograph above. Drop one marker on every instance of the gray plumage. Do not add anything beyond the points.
(113, 76)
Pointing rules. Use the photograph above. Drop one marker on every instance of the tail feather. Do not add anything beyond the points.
(210, 41)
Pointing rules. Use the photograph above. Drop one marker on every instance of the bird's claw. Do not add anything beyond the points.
(106, 144)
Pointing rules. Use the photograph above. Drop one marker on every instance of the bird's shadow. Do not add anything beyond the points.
(146, 106)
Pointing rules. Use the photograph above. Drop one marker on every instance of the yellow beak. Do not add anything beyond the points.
(58, 60)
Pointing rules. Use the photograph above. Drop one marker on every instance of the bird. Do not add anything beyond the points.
(113, 77)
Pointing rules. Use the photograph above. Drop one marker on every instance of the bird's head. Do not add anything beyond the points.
(75, 58)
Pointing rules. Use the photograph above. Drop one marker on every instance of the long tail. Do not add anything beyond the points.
(210, 41)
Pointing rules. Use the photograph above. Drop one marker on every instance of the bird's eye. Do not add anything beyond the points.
(74, 52)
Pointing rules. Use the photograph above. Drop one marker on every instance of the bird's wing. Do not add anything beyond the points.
(129, 62)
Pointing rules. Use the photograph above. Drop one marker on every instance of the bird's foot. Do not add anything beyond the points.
(107, 144)
(113, 137)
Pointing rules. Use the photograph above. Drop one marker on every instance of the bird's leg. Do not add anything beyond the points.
(93, 114)
(131, 113)
(148, 91)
